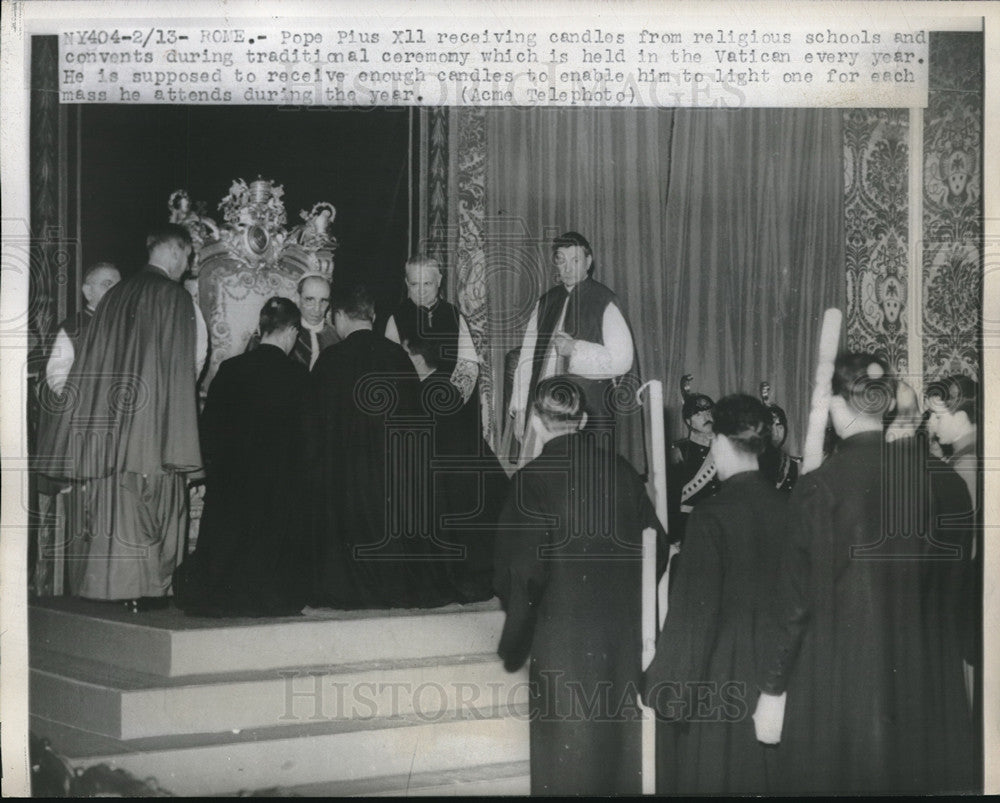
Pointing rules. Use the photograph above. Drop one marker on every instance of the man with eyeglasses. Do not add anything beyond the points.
(97, 281)
(424, 315)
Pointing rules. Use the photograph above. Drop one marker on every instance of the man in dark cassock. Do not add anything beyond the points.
(132, 435)
(251, 558)
(52, 538)
(869, 651)
(578, 328)
(424, 315)
(96, 283)
(468, 483)
(364, 400)
(703, 679)
(568, 571)
(315, 332)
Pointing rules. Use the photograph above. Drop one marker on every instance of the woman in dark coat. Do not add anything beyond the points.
(568, 571)
(250, 558)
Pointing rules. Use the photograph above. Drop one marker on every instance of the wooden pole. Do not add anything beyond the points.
(651, 623)
(649, 630)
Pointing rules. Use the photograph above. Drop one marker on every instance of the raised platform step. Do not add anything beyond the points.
(125, 704)
(169, 644)
(318, 753)
(513, 778)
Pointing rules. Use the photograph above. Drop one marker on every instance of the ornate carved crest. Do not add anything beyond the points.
(251, 257)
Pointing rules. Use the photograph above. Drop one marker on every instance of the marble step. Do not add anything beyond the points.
(169, 644)
(313, 753)
(125, 704)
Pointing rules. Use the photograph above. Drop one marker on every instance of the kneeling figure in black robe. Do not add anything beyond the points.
(250, 559)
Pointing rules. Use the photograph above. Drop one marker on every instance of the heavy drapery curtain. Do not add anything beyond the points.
(720, 231)
(754, 218)
(601, 172)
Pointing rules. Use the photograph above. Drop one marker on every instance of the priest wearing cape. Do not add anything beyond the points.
(129, 430)
(466, 482)
(578, 329)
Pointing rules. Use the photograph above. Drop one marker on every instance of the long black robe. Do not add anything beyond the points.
(870, 652)
(369, 448)
(469, 487)
(251, 556)
(703, 679)
(568, 571)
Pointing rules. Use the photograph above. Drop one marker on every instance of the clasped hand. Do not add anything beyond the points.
(563, 344)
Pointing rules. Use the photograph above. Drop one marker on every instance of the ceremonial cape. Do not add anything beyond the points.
(130, 403)
(369, 553)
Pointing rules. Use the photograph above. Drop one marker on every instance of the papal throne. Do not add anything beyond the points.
(250, 258)
(241, 264)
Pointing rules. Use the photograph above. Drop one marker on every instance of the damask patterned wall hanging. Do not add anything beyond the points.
(453, 184)
(876, 214)
(473, 300)
(875, 210)
(952, 221)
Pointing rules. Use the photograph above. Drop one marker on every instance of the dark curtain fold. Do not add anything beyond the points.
(721, 232)
(755, 220)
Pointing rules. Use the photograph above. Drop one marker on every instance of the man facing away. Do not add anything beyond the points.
(132, 434)
(567, 569)
(868, 646)
(364, 395)
(250, 559)
(466, 484)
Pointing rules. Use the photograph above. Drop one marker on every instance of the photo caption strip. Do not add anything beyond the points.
(457, 62)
